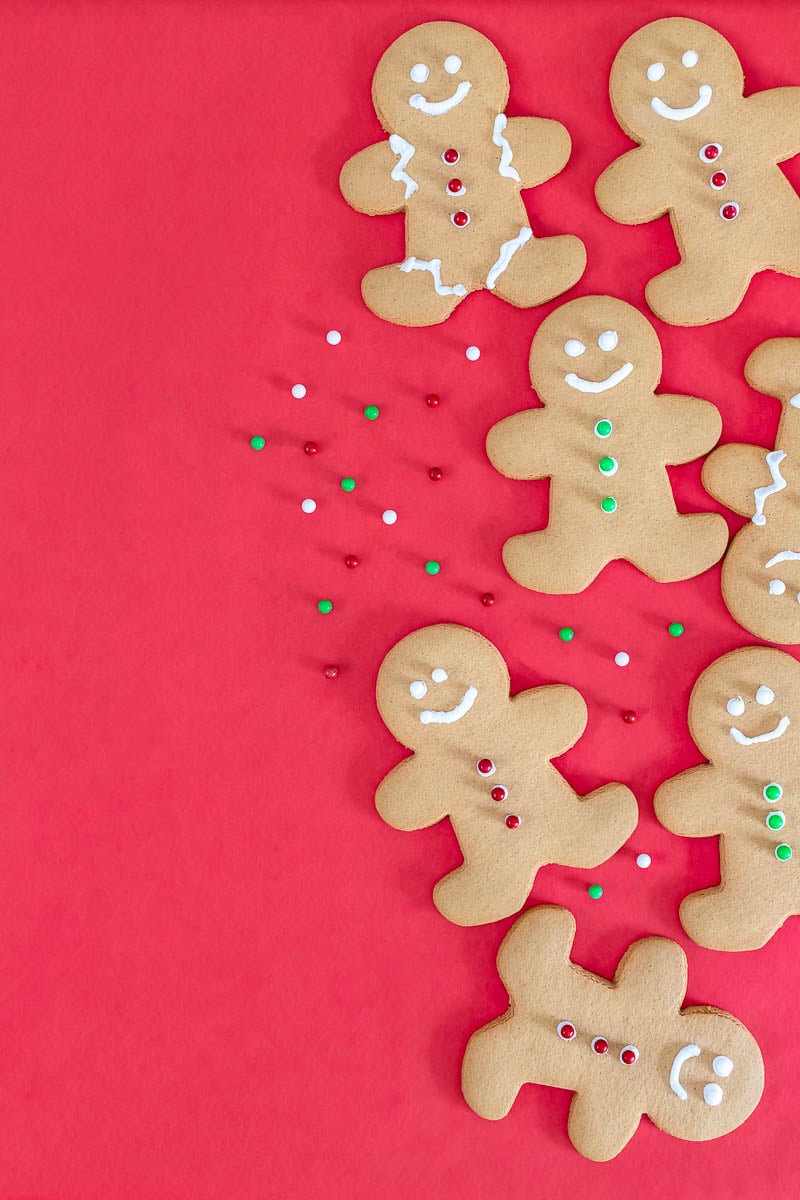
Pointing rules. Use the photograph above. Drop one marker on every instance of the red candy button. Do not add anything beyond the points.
(499, 793)
(710, 151)
(719, 179)
(600, 1045)
(566, 1030)
(455, 186)
(460, 219)
(486, 766)
(513, 821)
(451, 156)
(628, 1055)
(729, 212)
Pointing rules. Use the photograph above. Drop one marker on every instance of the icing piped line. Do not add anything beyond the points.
(683, 1055)
(784, 556)
(591, 385)
(405, 152)
(435, 108)
(434, 716)
(435, 268)
(682, 114)
(778, 731)
(778, 484)
(506, 153)
(507, 252)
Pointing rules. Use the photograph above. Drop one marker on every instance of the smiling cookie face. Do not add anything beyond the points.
(596, 345)
(673, 76)
(436, 683)
(437, 74)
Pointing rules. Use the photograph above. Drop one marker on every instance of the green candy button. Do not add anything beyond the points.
(603, 428)
(608, 504)
(608, 465)
(776, 820)
(772, 792)
(783, 852)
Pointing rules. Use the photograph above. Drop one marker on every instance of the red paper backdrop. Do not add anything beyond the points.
(220, 974)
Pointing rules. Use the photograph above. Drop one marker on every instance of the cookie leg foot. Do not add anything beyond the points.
(682, 547)
(546, 562)
(594, 827)
(599, 1130)
(541, 269)
(721, 919)
(478, 893)
(691, 294)
(492, 1072)
(407, 297)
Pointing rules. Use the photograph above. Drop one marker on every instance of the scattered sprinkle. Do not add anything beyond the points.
(298, 390)
(389, 517)
(351, 561)
(472, 353)
(629, 716)
(333, 337)
(622, 658)
(331, 672)
(372, 412)
(643, 861)
(675, 629)
(309, 506)
(325, 606)
(435, 473)
(487, 599)
(595, 891)
(348, 484)
(311, 448)
(432, 400)
(257, 443)
(432, 566)
(566, 634)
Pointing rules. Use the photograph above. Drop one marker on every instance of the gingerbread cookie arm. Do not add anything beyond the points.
(653, 973)
(599, 1129)
(634, 188)
(518, 446)
(732, 473)
(688, 427)
(777, 115)
(411, 796)
(689, 804)
(587, 830)
(372, 181)
(558, 710)
(540, 148)
(774, 368)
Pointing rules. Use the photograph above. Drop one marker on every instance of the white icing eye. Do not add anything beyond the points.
(608, 340)
(418, 689)
(573, 347)
(438, 675)
(419, 73)
(765, 695)
(712, 1094)
(690, 58)
(722, 1066)
(776, 587)
(452, 64)
(735, 706)
(655, 72)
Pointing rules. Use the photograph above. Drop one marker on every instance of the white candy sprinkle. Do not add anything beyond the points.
(333, 337)
(622, 658)
(389, 517)
(472, 353)
(643, 860)
(298, 391)
(309, 506)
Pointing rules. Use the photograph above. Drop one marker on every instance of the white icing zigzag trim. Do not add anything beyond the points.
(507, 252)
(778, 484)
(405, 152)
(435, 268)
(506, 155)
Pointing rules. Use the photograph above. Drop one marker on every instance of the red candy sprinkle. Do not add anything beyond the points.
(729, 211)
(455, 186)
(711, 151)
(451, 156)
(499, 793)
(432, 400)
(628, 1057)
(331, 672)
(351, 561)
(460, 219)
(435, 473)
(486, 766)
(566, 1031)
(629, 716)
(311, 447)
(600, 1045)
(513, 821)
(487, 599)
(719, 179)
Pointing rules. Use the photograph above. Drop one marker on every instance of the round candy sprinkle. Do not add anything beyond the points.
(603, 428)
(257, 443)
(499, 794)
(776, 820)
(595, 892)
(513, 821)
(348, 484)
(608, 465)
(783, 852)
(310, 448)
(432, 400)
(389, 517)
(675, 629)
(331, 672)
(333, 337)
(472, 353)
(566, 634)
(325, 606)
(487, 599)
(629, 716)
(432, 566)
(351, 561)
(643, 861)
(608, 504)
(486, 766)
(309, 506)
(372, 412)
(435, 473)
(622, 658)
(298, 391)
(772, 792)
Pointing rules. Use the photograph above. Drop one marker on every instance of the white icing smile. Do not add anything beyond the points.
(435, 108)
(778, 731)
(602, 385)
(683, 1055)
(434, 716)
(712, 1092)
(682, 114)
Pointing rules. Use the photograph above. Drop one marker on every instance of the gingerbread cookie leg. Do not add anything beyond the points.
(541, 269)
(494, 1069)
(731, 473)
(545, 561)
(411, 293)
(691, 294)
(683, 546)
(598, 1129)
(730, 918)
(484, 890)
(592, 828)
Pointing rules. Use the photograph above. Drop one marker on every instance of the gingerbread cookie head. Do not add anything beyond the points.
(442, 74)
(592, 347)
(672, 77)
(426, 706)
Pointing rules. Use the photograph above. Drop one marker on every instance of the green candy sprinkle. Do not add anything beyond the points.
(257, 443)
(325, 606)
(783, 852)
(433, 567)
(603, 428)
(776, 820)
(566, 634)
(608, 465)
(608, 504)
(348, 484)
(595, 891)
(372, 412)
(675, 629)
(772, 792)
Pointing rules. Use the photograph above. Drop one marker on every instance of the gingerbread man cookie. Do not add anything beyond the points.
(482, 758)
(761, 571)
(707, 155)
(625, 1047)
(604, 439)
(456, 164)
(744, 715)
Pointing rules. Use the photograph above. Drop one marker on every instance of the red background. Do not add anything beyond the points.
(220, 974)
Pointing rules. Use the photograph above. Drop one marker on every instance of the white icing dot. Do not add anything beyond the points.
(472, 353)
(309, 506)
(608, 340)
(689, 58)
(418, 689)
(389, 517)
(722, 1066)
(419, 72)
(765, 695)
(452, 64)
(622, 658)
(776, 587)
(298, 391)
(735, 706)
(795, 400)
(438, 675)
(333, 337)
(643, 861)
(574, 348)
(655, 72)
(712, 1094)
